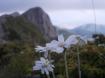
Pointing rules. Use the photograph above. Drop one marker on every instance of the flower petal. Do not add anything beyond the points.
(50, 68)
(71, 40)
(43, 60)
(46, 54)
(36, 67)
(51, 46)
(53, 43)
(58, 49)
(40, 49)
(46, 71)
(42, 71)
(61, 38)
(38, 62)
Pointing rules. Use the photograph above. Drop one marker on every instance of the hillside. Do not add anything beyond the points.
(20, 29)
(33, 24)
(18, 37)
(88, 29)
(42, 22)
(65, 32)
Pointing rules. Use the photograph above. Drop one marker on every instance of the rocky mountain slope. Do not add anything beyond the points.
(33, 24)
(38, 17)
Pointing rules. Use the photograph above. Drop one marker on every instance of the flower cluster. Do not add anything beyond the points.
(58, 46)
(44, 65)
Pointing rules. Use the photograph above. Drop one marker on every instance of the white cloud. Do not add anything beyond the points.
(73, 18)
(14, 5)
(64, 13)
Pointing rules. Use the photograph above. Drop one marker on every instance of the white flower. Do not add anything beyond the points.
(68, 42)
(84, 40)
(53, 47)
(44, 65)
(71, 40)
(58, 46)
(42, 50)
(50, 47)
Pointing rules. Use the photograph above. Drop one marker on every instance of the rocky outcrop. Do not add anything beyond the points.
(2, 21)
(15, 14)
(33, 20)
(38, 16)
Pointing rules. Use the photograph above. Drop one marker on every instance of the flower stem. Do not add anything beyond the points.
(48, 76)
(66, 67)
(53, 74)
(50, 59)
(78, 58)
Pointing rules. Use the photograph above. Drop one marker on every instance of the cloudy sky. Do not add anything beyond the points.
(63, 13)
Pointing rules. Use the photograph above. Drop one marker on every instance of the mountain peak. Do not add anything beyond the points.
(15, 14)
(35, 10)
(34, 21)
(39, 17)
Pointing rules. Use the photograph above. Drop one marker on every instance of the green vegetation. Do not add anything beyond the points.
(92, 62)
(20, 29)
(17, 55)
(16, 60)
